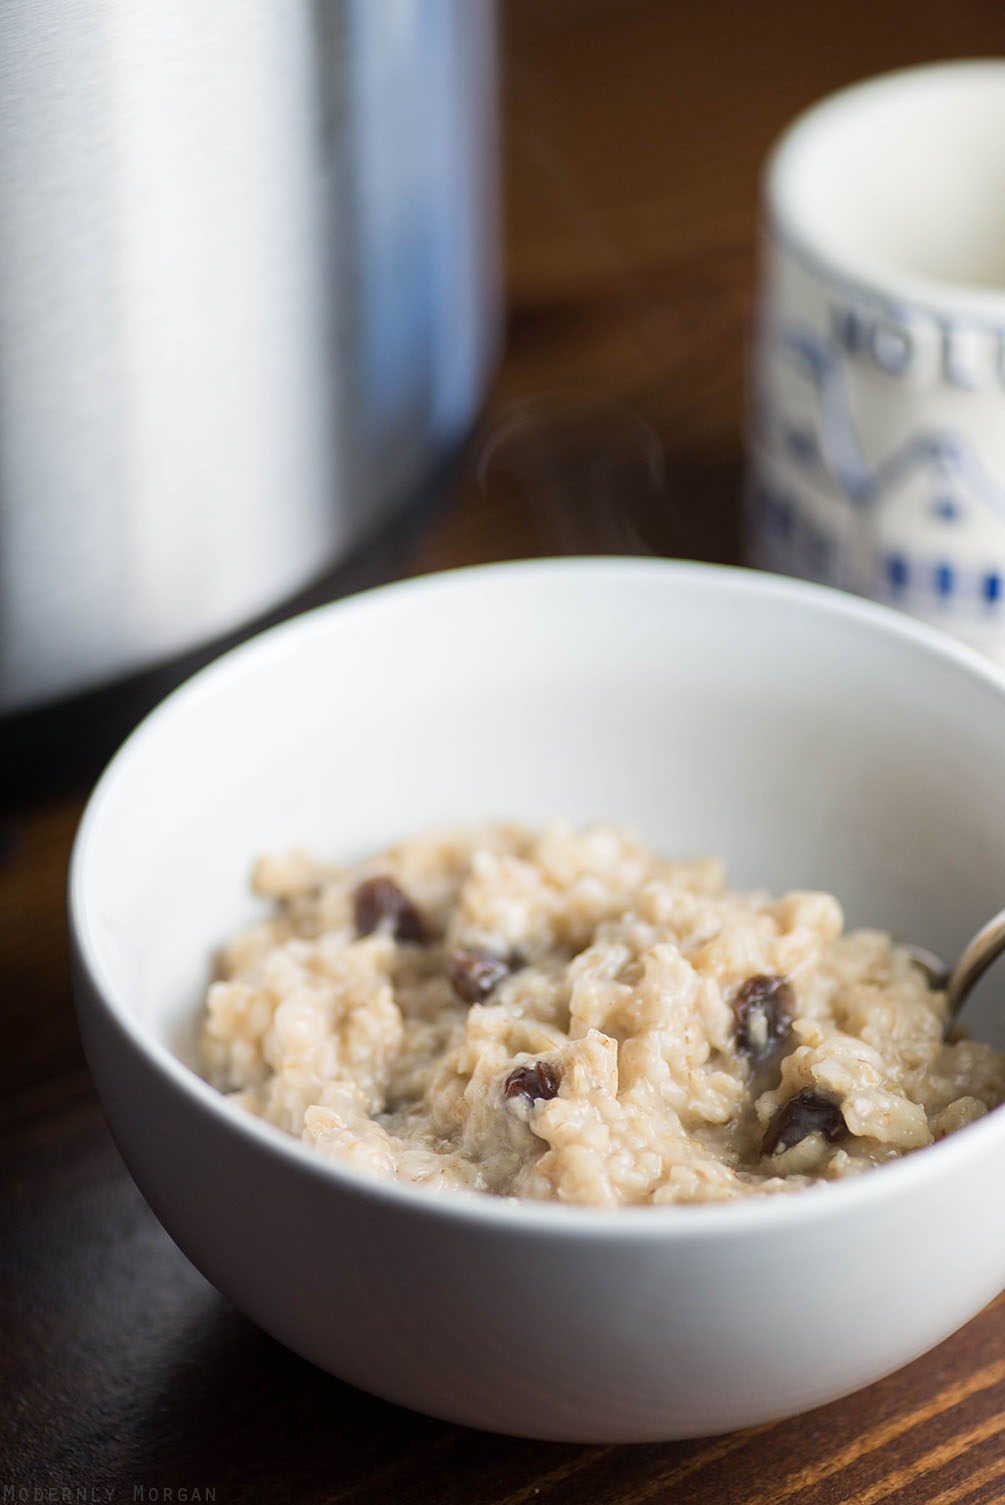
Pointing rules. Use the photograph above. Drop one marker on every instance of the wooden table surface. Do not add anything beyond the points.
(635, 129)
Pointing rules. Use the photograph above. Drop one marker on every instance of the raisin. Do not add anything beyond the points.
(763, 1012)
(474, 974)
(539, 1080)
(809, 1112)
(379, 901)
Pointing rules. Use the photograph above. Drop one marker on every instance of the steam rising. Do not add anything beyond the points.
(584, 467)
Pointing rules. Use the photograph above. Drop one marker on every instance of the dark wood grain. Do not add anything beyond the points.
(635, 131)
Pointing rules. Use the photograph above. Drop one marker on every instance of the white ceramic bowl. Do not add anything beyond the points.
(814, 739)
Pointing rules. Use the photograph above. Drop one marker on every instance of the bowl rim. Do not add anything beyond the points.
(733, 1218)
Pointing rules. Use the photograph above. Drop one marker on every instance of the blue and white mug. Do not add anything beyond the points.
(877, 414)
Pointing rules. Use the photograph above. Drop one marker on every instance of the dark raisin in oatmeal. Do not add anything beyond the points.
(532, 1082)
(474, 975)
(379, 901)
(809, 1112)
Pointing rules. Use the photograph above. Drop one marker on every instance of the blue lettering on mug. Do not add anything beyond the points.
(892, 348)
(968, 357)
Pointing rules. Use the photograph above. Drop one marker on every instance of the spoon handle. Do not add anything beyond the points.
(985, 948)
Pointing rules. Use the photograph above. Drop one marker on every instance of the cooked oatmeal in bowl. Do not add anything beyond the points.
(562, 1015)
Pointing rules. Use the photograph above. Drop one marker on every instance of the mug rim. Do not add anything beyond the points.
(860, 274)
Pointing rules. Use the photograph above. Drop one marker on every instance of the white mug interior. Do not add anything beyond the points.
(901, 178)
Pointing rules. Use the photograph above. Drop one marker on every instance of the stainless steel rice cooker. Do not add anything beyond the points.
(248, 300)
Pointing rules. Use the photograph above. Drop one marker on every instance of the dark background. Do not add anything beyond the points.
(634, 132)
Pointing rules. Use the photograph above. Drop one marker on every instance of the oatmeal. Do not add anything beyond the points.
(561, 1014)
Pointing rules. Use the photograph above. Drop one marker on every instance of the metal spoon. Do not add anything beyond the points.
(985, 947)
